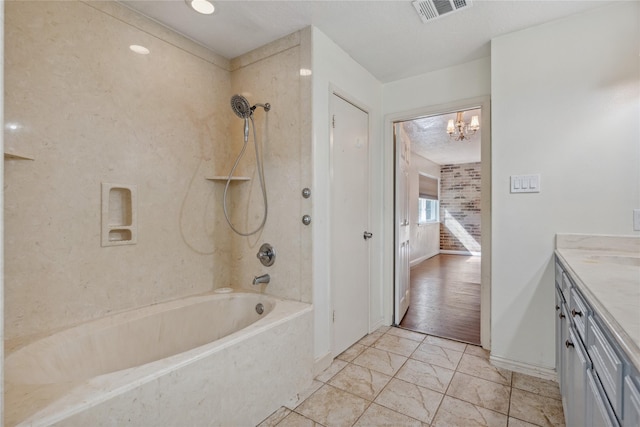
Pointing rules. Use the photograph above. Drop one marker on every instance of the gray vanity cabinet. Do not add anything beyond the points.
(599, 386)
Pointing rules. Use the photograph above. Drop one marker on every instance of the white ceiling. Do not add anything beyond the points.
(385, 37)
(429, 139)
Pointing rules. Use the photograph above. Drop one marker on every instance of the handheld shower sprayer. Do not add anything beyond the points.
(244, 110)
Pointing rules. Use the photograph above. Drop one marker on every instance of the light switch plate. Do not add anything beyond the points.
(636, 220)
(525, 183)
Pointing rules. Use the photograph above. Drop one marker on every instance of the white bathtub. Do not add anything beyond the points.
(202, 360)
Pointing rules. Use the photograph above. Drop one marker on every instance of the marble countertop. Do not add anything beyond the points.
(607, 271)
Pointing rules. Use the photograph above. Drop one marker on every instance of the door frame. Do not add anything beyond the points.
(484, 102)
(335, 91)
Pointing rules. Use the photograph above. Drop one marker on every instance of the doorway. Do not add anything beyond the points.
(450, 284)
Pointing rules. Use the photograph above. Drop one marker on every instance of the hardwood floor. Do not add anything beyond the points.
(445, 298)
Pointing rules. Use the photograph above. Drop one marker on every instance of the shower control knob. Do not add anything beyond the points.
(306, 219)
(266, 255)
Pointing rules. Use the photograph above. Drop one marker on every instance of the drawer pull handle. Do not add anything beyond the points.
(568, 344)
(575, 313)
(562, 316)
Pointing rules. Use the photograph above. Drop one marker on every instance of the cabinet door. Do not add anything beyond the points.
(559, 337)
(564, 355)
(577, 367)
(599, 412)
(631, 404)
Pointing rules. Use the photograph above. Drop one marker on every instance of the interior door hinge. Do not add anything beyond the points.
(333, 121)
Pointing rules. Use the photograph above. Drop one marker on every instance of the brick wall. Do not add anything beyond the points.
(460, 207)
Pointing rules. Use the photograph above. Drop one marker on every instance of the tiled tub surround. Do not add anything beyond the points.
(606, 269)
(394, 377)
(193, 361)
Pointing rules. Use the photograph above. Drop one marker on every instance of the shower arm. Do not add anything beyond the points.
(266, 106)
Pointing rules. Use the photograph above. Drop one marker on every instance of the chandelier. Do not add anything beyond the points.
(460, 130)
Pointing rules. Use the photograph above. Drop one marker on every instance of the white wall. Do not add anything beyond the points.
(468, 80)
(425, 238)
(333, 68)
(565, 103)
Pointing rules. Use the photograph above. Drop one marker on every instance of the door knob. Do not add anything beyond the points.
(367, 235)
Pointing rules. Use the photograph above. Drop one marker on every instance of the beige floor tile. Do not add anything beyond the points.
(380, 360)
(514, 422)
(410, 399)
(457, 413)
(335, 367)
(352, 352)
(315, 385)
(396, 344)
(275, 418)
(404, 333)
(360, 381)
(484, 393)
(370, 339)
(436, 355)
(482, 368)
(536, 409)
(423, 374)
(383, 329)
(331, 406)
(379, 416)
(477, 351)
(297, 420)
(443, 342)
(536, 385)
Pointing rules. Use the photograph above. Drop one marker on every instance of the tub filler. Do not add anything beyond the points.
(205, 360)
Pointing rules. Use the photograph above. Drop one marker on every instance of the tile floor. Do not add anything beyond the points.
(395, 377)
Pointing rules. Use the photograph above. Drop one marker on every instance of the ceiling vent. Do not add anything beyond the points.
(434, 9)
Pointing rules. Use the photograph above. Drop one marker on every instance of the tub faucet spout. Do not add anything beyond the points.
(265, 278)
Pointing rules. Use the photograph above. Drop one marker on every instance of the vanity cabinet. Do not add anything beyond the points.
(599, 386)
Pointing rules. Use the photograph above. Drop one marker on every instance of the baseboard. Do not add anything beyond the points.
(377, 324)
(321, 363)
(524, 368)
(422, 258)
(447, 252)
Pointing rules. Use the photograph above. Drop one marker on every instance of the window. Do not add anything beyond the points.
(427, 199)
(427, 210)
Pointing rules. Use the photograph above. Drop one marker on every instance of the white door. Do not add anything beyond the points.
(349, 223)
(402, 227)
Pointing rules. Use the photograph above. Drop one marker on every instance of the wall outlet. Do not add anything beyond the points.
(636, 220)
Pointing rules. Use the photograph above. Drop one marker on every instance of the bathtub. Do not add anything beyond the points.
(205, 360)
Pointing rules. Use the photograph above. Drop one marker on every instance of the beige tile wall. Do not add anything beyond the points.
(272, 74)
(91, 111)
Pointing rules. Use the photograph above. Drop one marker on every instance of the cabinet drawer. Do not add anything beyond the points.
(579, 311)
(606, 363)
(566, 286)
(599, 412)
(631, 413)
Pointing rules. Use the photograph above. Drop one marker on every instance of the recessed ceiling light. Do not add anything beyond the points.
(139, 49)
(202, 6)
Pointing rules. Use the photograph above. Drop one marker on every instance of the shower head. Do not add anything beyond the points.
(241, 106)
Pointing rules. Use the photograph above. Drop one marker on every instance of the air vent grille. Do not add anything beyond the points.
(434, 9)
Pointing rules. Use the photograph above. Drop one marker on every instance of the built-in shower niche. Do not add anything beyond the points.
(119, 214)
